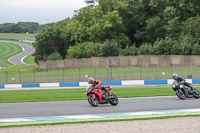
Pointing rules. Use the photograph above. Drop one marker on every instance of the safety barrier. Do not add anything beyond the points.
(104, 83)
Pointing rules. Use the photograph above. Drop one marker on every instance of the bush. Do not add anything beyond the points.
(132, 50)
(163, 46)
(84, 50)
(110, 49)
(145, 49)
(196, 49)
(54, 56)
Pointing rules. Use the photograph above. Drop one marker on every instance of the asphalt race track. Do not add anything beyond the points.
(18, 59)
(80, 107)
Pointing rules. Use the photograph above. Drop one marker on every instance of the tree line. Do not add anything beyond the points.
(20, 27)
(123, 27)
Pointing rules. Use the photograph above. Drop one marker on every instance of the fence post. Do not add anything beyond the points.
(156, 72)
(110, 68)
(79, 74)
(48, 76)
(108, 74)
(20, 77)
(63, 75)
(125, 73)
(33, 76)
(94, 73)
(189, 69)
(6, 77)
(172, 68)
(140, 72)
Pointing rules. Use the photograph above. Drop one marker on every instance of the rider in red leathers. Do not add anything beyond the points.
(97, 84)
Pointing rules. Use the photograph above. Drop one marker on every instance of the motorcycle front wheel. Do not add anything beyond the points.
(94, 102)
(180, 94)
(196, 94)
(113, 99)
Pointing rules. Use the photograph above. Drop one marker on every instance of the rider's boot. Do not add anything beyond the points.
(105, 96)
(192, 88)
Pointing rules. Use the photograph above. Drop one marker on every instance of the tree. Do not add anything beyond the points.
(196, 49)
(129, 50)
(21, 27)
(134, 18)
(163, 46)
(110, 49)
(7, 28)
(145, 49)
(191, 28)
(49, 41)
(84, 50)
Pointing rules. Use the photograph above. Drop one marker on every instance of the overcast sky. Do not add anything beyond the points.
(41, 11)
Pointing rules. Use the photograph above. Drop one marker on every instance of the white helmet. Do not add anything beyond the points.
(175, 76)
(91, 80)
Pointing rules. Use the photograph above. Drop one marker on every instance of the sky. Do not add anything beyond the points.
(40, 11)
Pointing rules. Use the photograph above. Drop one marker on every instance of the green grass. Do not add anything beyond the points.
(29, 60)
(16, 36)
(5, 63)
(7, 50)
(78, 94)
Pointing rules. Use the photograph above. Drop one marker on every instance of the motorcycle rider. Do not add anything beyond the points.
(181, 80)
(97, 84)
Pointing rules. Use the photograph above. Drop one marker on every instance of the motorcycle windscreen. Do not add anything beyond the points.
(174, 82)
(90, 87)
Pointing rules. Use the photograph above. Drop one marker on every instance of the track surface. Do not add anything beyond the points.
(80, 107)
(18, 59)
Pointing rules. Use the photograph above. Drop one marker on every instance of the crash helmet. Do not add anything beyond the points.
(91, 80)
(175, 76)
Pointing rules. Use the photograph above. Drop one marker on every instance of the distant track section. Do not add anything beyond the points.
(18, 59)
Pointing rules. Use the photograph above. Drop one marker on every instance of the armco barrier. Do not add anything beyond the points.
(104, 83)
(2, 86)
(155, 82)
(111, 83)
(69, 84)
(196, 81)
(30, 85)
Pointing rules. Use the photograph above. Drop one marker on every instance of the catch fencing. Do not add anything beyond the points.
(102, 74)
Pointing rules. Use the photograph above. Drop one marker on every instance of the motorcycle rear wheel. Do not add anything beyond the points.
(94, 102)
(114, 100)
(180, 94)
(196, 94)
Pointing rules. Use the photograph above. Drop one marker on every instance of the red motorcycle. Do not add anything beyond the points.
(97, 96)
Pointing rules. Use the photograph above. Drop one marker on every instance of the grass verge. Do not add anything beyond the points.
(92, 120)
(29, 60)
(78, 94)
(17, 36)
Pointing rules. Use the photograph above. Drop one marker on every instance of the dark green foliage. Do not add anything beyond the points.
(21, 27)
(84, 50)
(163, 46)
(145, 49)
(7, 28)
(153, 26)
(110, 49)
(54, 56)
(129, 50)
